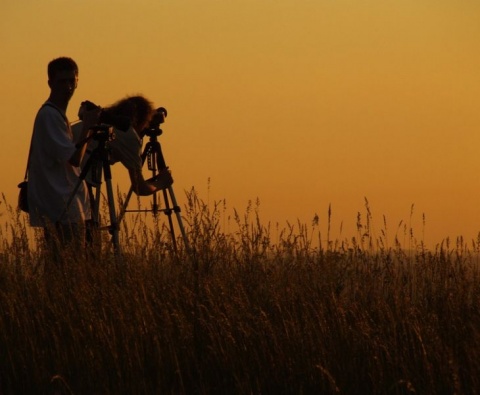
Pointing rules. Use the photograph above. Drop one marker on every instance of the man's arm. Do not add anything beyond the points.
(144, 187)
(139, 185)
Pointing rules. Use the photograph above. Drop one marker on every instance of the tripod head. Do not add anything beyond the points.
(103, 133)
(153, 129)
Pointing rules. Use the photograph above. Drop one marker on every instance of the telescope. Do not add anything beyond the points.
(119, 122)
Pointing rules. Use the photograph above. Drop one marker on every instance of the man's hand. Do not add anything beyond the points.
(163, 180)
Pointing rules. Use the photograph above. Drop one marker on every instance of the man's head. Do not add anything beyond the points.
(62, 78)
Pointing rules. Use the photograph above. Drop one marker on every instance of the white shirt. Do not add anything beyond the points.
(51, 178)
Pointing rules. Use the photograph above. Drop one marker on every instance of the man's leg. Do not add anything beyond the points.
(62, 241)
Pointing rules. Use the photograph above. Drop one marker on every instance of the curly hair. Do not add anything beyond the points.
(138, 108)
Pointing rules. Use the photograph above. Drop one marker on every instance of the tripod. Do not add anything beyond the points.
(99, 156)
(152, 153)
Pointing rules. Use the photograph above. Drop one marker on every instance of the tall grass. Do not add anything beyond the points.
(247, 310)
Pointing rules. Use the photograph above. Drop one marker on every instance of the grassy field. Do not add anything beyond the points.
(244, 312)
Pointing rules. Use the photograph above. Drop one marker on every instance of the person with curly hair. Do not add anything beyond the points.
(126, 146)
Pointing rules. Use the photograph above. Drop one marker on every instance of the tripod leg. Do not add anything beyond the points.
(176, 209)
(125, 205)
(93, 226)
(168, 212)
(96, 211)
(113, 217)
(123, 210)
(107, 171)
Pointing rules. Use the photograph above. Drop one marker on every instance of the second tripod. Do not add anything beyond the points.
(152, 154)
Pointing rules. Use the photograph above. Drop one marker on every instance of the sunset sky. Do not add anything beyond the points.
(299, 103)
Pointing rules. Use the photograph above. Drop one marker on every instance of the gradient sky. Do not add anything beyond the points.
(299, 103)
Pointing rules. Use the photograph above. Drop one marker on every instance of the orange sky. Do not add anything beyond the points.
(300, 103)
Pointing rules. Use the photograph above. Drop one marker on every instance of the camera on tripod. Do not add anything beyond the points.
(106, 118)
(153, 128)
